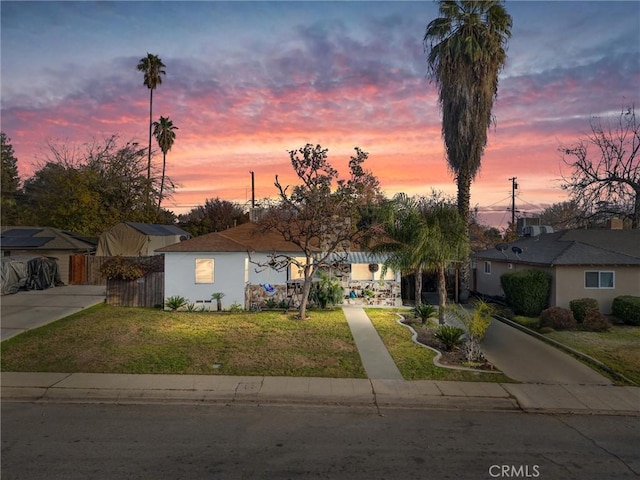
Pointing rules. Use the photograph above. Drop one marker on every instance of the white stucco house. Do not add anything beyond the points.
(228, 262)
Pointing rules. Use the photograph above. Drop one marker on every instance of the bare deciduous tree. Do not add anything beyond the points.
(605, 169)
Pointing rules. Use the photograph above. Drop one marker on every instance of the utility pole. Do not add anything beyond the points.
(253, 191)
(514, 187)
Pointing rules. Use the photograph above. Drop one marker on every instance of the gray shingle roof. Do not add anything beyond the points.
(572, 247)
(43, 238)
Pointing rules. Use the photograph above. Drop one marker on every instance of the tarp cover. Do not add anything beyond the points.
(28, 273)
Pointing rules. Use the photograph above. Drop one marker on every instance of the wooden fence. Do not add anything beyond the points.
(147, 291)
(85, 270)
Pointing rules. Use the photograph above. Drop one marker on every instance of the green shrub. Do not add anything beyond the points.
(526, 292)
(424, 312)
(596, 322)
(328, 291)
(235, 307)
(271, 303)
(582, 307)
(449, 335)
(558, 318)
(121, 268)
(627, 309)
(175, 302)
(283, 304)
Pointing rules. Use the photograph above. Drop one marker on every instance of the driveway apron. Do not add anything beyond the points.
(30, 309)
(529, 360)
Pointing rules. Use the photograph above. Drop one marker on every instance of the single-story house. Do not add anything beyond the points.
(228, 262)
(132, 239)
(600, 264)
(45, 242)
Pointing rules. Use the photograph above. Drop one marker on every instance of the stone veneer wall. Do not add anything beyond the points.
(386, 294)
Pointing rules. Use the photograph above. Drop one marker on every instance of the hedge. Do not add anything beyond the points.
(627, 309)
(527, 291)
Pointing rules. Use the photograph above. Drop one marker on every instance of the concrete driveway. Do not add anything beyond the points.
(32, 309)
(529, 360)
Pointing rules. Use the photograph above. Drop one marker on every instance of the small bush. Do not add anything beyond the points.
(283, 304)
(527, 291)
(271, 303)
(175, 302)
(627, 309)
(596, 322)
(235, 307)
(558, 318)
(424, 312)
(583, 307)
(449, 335)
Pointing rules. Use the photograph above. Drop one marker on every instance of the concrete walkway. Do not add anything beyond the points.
(374, 355)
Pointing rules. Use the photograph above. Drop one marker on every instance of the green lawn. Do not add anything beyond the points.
(619, 348)
(416, 362)
(107, 339)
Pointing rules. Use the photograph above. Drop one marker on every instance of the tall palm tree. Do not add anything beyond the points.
(466, 50)
(153, 69)
(165, 135)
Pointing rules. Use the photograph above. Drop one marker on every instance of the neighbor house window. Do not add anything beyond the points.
(487, 268)
(204, 270)
(597, 279)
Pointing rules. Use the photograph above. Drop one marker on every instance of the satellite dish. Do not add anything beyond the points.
(517, 250)
(501, 247)
(183, 238)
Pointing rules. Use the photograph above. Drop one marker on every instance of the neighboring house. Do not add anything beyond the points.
(600, 264)
(46, 242)
(131, 239)
(227, 262)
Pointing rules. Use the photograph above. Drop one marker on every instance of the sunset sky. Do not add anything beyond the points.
(248, 81)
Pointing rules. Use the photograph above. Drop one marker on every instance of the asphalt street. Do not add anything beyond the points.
(72, 441)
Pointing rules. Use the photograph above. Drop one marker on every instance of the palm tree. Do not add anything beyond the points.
(466, 51)
(153, 69)
(163, 130)
(423, 238)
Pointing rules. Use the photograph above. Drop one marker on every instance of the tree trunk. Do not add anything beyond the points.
(464, 200)
(442, 294)
(306, 288)
(164, 164)
(417, 284)
(150, 133)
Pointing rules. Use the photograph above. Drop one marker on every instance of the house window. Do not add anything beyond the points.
(597, 279)
(204, 270)
(487, 268)
(297, 271)
(363, 271)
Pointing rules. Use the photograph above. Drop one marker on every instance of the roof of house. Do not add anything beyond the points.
(571, 247)
(157, 230)
(243, 238)
(43, 238)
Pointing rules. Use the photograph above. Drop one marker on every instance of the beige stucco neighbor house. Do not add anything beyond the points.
(228, 262)
(600, 264)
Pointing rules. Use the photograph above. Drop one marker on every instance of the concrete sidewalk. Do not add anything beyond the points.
(375, 393)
